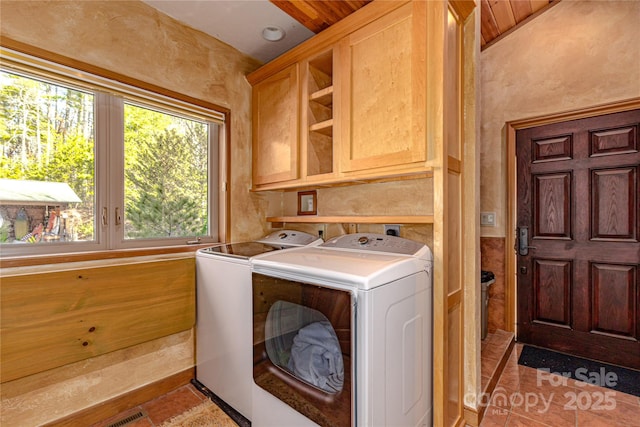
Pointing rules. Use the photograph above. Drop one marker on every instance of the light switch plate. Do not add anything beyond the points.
(488, 219)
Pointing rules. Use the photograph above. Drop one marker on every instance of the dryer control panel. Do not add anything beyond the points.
(375, 242)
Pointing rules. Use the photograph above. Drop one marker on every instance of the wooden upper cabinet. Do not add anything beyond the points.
(383, 94)
(276, 113)
(346, 105)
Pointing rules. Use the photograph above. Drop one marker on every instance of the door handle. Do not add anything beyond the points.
(523, 241)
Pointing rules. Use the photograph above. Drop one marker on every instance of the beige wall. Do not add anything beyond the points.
(133, 39)
(411, 197)
(576, 55)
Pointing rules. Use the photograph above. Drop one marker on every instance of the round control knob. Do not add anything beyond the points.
(363, 240)
(282, 236)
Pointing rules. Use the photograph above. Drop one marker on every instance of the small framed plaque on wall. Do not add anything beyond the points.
(307, 203)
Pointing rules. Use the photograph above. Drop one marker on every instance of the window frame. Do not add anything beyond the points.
(111, 91)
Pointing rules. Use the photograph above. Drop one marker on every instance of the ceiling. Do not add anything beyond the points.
(499, 17)
(240, 23)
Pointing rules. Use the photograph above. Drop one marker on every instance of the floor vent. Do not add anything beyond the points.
(127, 420)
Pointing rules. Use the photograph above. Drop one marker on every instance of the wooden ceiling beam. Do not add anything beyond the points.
(502, 14)
(521, 10)
(497, 17)
(488, 25)
(318, 15)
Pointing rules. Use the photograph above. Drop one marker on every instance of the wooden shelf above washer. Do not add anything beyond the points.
(352, 219)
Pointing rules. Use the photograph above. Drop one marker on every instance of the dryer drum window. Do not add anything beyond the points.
(302, 341)
(302, 347)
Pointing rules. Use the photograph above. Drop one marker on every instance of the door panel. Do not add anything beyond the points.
(551, 199)
(614, 289)
(552, 291)
(614, 196)
(558, 148)
(614, 141)
(578, 195)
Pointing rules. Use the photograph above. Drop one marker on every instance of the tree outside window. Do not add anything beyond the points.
(165, 175)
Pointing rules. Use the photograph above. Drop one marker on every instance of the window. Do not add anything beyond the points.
(47, 163)
(92, 164)
(165, 186)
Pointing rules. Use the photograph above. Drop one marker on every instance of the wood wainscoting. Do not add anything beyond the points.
(54, 315)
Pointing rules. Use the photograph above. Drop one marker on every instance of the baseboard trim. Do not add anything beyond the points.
(473, 416)
(125, 402)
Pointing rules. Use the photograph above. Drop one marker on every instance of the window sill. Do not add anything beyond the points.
(27, 261)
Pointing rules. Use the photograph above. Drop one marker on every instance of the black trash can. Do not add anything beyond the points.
(487, 278)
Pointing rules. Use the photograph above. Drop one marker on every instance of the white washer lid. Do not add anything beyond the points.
(335, 266)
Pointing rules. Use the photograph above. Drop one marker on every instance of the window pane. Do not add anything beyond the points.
(47, 170)
(166, 179)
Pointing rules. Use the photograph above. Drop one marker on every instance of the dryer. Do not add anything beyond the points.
(223, 315)
(342, 334)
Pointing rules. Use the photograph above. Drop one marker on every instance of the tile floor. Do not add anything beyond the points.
(526, 397)
(495, 350)
(163, 408)
(522, 398)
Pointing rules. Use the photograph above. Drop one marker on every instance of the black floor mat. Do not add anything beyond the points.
(590, 371)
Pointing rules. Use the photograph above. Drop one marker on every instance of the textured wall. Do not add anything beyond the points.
(410, 197)
(133, 39)
(576, 55)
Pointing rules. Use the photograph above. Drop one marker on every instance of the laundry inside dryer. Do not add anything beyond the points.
(302, 341)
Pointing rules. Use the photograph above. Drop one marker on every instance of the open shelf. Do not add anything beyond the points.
(319, 129)
(323, 96)
(325, 128)
(360, 219)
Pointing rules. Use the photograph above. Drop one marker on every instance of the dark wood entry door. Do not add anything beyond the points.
(579, 202)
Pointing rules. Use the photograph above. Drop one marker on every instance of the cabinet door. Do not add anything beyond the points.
(275, 127)
(383, 93)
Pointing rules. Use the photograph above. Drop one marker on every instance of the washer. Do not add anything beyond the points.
(342, 334)
(223, 314)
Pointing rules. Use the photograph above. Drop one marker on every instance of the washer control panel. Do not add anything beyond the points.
(288, 238)
(375, 242)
